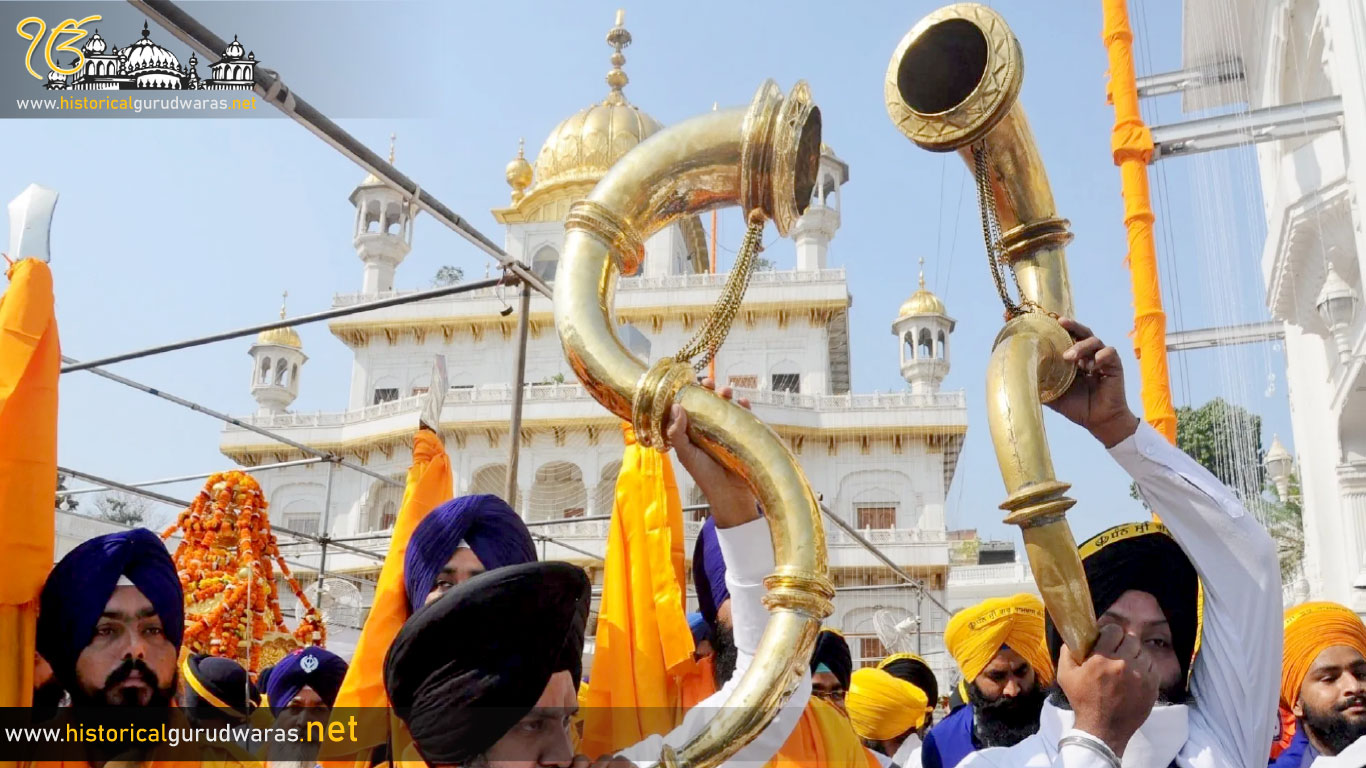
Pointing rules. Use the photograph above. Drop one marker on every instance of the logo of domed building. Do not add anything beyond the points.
(144, 65)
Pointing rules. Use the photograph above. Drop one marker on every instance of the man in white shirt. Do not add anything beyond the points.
(1108, 712)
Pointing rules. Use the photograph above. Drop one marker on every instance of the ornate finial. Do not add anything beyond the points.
(618, 38)
(519, 173)
(922, 273)
(284, 298)
(393, 137)
(145, 30)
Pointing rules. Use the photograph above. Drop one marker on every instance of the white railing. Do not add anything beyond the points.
(837, 538)
(999, 573)
(702, 280)
(502, 393)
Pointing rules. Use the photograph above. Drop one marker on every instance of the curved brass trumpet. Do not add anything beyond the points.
(763, 158)
(953, 84)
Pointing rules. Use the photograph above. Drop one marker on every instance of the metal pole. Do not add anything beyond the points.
(919, 613)
(518, 389)
(887, 561)
(272, 88)
(327, 519)
(327, 314)
(186, 478)
(237, 423)
(584, 519)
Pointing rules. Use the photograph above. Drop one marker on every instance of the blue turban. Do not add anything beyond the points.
(485, 523)
(698, 624)
(81, 584)
(317, 668)
(709, 572)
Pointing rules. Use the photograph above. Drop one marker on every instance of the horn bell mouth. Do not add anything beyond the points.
(953, 77)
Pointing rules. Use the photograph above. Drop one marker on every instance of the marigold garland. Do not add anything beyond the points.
(226, 564)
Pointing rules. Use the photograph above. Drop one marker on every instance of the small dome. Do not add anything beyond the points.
(923, 301)
(1277, 450)
(519, 172)
(234, 49)
(95, 44)
(284, 337)
(146, 56)
(54, 76)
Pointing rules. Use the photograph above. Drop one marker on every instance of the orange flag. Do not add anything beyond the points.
(823, 737)
(30, 364)
(429, 484)
(643, 642)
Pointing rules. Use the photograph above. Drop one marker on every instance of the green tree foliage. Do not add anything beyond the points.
(121, 508)
(448, 275)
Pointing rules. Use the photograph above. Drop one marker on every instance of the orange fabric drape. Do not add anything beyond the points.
(823, 737)
(643, 642)
(30, 364)
(697, 682)
(429, 484)
(1132, 145)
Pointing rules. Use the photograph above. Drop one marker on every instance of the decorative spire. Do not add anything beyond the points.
(618, 38)
(519, 173)
(284, 299)
(393, 138)
(922, 273)
(145, 30)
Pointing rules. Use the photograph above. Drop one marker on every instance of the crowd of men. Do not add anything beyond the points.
(1196, 664)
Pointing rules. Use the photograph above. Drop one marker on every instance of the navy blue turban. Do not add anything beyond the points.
(80, 585)
(459, 691)
(709, 572)
(485, 523)
(832, 653)
(317, 668)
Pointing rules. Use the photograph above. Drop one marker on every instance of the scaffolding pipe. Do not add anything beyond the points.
(327, 314)
(223, 417)
(887, 561)
(322, 545)
(269, 85)
(1132, 146)
(518, 391)
(187, 478)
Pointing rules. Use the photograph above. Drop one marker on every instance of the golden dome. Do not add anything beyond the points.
(923, 302)
(586, 144)
(282, 337)
(518, 173)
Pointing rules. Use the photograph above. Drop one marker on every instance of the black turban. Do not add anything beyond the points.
(465, 669)
(215, 683)
(832, 652)
(914, 670)
(1142, 557)
(80, 585)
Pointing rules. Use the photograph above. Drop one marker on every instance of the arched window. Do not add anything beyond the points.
(828, 187)
(294, 374)
(557, 492)
(605, 494)
(545, 262)
(265, 371)
(282, 373)
(939, 348)
(908, 346)
(925, 348)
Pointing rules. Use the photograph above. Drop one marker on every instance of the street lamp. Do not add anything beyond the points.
(1337, 306)
(1278, 464)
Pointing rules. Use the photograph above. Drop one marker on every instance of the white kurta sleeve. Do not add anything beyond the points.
(1236, 674)
(748, 552)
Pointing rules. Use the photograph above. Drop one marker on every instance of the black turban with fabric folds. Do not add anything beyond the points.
(1142, 557)
(216, 683)
(465, 669)
(80, 585)
(832, 652)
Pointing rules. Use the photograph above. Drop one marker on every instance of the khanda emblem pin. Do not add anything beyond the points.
(308, 664)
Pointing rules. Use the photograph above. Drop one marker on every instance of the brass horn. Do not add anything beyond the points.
(764, 159)
(953, 85)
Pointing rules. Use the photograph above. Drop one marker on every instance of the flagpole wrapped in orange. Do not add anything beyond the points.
(30, 364)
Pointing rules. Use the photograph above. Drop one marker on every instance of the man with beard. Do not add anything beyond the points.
(831, 666)
(1215, 709)
(1000, 650)
(302, 688)
(111, 617)
(1323, 681)
(914, 670)
(488, 672)
(887, 713)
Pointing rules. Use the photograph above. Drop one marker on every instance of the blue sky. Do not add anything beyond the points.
(173, 228)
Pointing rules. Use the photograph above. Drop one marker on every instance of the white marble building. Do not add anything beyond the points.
(884, 461)
(1296, 51)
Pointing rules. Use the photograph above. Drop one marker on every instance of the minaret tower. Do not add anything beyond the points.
(384, 230)
(276, 358)
(922, 329)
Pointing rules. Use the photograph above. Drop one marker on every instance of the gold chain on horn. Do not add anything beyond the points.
(712, 334)
(991, 233)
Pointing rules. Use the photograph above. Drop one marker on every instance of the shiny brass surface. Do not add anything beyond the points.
(763, 159)
(953, 85)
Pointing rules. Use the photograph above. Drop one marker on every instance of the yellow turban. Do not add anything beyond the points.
(975, 634)
(883, 707)
(1310, 629)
